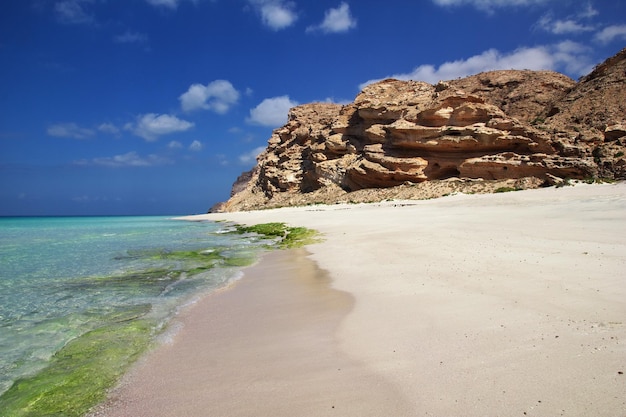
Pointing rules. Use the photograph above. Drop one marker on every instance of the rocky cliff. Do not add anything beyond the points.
(410, 139)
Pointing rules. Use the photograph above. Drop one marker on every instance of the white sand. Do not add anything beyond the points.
(508, 304)
(265, 347)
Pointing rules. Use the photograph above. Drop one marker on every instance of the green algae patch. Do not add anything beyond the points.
(148, 282)
(288, 237)
(206, 258)
(212, 257)
(204, 255)
(300, 236)
(109, 339)
(79, 374)
(240, 260)
(178, 266)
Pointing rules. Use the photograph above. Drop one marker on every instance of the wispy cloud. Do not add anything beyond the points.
(334, 100)
(250, 157)
(573, 24)
(276, 14)
(272, 112)
(196, 146)
(131, 37)
(588, 12)
(490, 5)
(70, 130)
(336, 20)
(109, 128)
(611, 33)
(170, 4)
(130, 159)
(73, 11)
(175, 145)
(569, 56)
(221, 159)
(563, 27)
(218, 96)
(150, 126)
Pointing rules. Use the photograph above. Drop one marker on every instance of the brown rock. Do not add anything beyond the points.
(511, 165)
(410, 139)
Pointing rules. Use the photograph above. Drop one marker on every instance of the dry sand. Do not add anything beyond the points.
(509, 304)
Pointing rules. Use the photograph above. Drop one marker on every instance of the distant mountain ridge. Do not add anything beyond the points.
(409, 139)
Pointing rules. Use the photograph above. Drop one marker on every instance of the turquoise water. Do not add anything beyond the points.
(64, 277)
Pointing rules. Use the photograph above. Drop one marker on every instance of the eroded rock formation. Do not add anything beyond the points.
(410, 139)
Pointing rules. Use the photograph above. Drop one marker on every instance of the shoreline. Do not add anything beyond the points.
(503, 304)
(265, 345)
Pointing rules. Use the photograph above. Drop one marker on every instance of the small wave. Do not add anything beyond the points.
(225, 231)
(168, 336)
(237, 276)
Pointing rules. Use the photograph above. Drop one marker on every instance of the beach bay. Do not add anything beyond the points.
(503, 304)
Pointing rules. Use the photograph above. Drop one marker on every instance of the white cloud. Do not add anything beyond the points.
(70, 130)
(171, 4)
(490, 5)
(130, 159)
(174, 145)
(570, 25)
(196, 146)
(250, 157)
(333, 100)
(131, 37)
(568, 56)
(336, 20)
(109, 128)
(562, 27)
(276, 14)
(222, 159)
(150, 126)
(72, 11)
(168, 4)
(218, 96)
(272, 112)
(571, 57)
(588, 12)
(611, 33)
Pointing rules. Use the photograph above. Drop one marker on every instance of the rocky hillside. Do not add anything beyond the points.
(410, 139)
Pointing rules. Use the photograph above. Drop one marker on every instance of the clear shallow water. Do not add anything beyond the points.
(63, 277)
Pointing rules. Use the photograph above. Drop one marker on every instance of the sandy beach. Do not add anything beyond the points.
(508, 304)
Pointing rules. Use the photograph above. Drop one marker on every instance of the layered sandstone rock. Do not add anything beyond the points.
(406, 139)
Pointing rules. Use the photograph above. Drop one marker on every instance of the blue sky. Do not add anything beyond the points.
(156, 106)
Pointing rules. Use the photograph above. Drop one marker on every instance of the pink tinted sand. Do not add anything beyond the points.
(509, 304)
(266, 347)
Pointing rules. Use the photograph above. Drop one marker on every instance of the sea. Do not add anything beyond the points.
(82, 297)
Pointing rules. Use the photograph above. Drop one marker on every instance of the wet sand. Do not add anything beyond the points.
(264, 347)
(509, 304)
